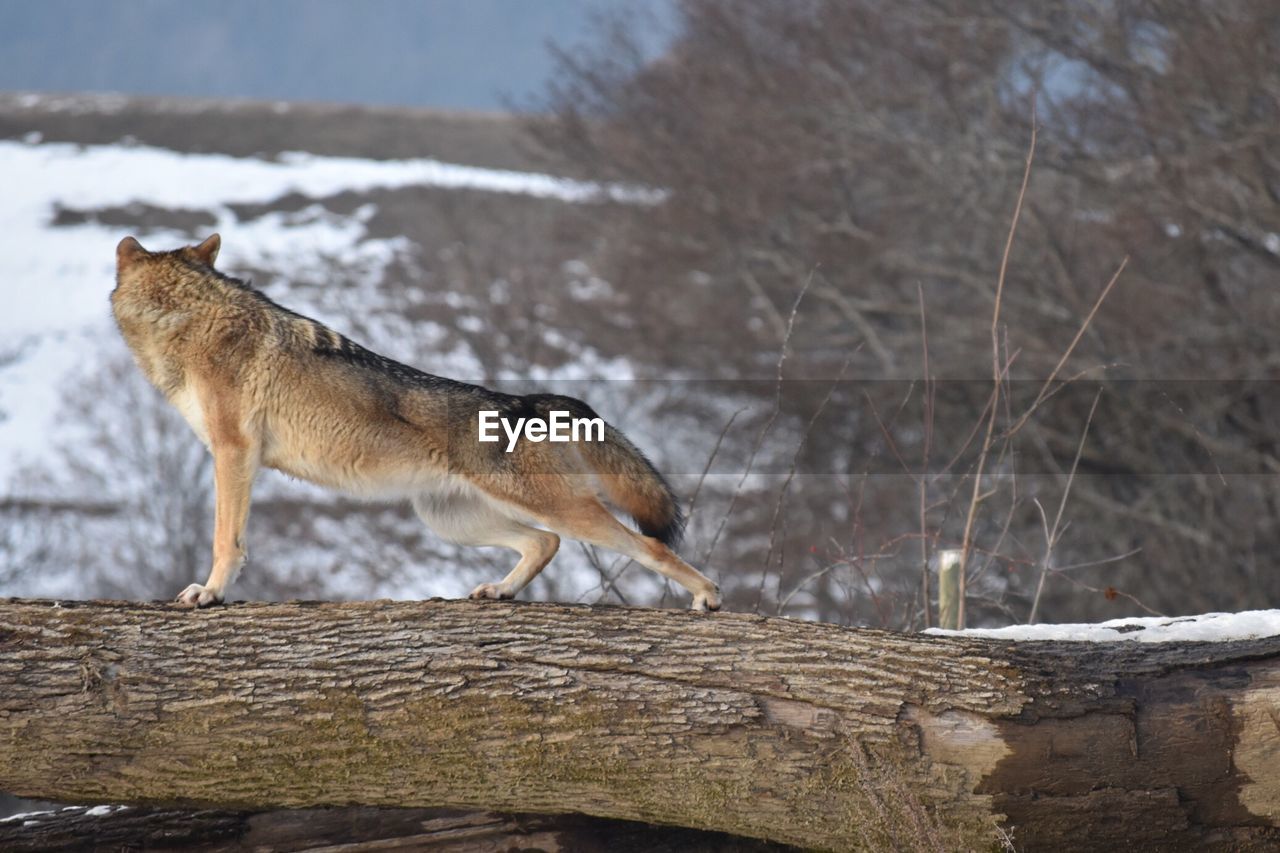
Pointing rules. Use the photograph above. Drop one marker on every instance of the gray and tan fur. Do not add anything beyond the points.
(264, 387)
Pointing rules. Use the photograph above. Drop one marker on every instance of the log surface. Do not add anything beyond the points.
(793, 732)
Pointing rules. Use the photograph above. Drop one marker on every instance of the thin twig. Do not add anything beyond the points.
(1051, 536)
(693, 501)
(608, 583)
(925, 453)
(882, 554)
(923, 484)
(967, 540)
(884, 429)
(773, 416)
(1092, 563)
(786, 485)
(1044, 389)
(1112, 592)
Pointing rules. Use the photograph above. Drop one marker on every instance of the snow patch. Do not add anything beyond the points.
(28, 818)
(1210, 627)
(25, 817)
(101, 811)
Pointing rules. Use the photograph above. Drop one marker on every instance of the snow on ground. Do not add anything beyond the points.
(29, 818)
(107, 175)
(1210, 627)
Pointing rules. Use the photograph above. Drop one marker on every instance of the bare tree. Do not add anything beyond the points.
(877, 149)
(125, 446)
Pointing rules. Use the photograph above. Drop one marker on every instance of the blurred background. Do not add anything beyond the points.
(473, 55)
(769, 239)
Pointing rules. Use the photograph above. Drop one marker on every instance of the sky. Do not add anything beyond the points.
(453, 54)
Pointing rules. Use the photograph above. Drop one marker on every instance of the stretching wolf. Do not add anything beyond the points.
(263, 386)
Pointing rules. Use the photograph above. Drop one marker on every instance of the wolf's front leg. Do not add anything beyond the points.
(235, 464)
(196, 595)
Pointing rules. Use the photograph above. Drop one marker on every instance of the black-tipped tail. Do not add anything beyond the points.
(633, 485)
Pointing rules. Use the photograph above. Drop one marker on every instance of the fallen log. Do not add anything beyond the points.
(798, 733)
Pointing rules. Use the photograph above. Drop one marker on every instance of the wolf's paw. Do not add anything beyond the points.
(198, 596)
(493, 591)
(706, 601)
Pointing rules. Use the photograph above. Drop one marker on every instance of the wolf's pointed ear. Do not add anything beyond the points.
(208, 250)
(128, 251)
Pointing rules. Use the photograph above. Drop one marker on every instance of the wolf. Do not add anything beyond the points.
(263, 386)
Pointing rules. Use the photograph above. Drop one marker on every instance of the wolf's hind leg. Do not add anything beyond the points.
(471, 520)
(589, 521)
(536, 548)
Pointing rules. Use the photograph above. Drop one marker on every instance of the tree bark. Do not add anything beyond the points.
(793, 732)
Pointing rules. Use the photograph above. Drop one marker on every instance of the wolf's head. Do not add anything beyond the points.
(130, 256)
(147, 282)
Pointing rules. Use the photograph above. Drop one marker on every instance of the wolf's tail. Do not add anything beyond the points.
(628, 478)
(633, 485)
